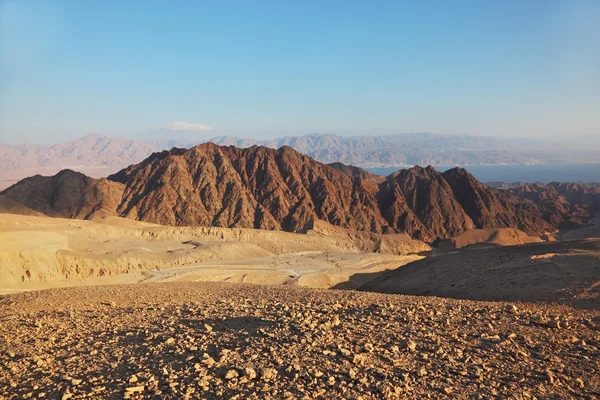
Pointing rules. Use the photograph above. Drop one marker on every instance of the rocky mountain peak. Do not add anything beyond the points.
(264, 188)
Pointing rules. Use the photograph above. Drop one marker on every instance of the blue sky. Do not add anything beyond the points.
(270, 68)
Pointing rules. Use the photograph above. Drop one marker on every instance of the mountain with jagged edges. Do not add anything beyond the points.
(98, 156)
(566, 204)
(264, 188)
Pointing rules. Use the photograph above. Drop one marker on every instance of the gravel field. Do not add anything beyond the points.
(217, 340)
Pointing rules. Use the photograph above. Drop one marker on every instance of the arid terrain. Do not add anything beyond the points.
(42, 252)
(263, 188)
(565, 272)
(299, 200)
(137, 310)
(98, 156)
(215, 340)
(482, 292)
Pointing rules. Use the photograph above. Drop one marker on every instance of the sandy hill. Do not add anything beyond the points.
(41, 252)
(259, 187)
(498, 237)
(566, 271)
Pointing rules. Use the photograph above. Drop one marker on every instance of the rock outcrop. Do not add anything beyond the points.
(259, 187)
(68, 194)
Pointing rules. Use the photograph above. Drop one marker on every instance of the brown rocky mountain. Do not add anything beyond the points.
(97, 156)
(565, 204)
(255, 187)
(68, 194)
(259, 187)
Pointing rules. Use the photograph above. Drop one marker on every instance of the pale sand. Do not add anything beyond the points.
(41, 252)
(490, 236)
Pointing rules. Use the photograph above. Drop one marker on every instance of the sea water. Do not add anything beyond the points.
(543, 173)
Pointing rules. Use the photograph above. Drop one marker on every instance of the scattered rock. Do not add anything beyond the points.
(408, 344)
(249, 373)
(510, 308)
(268, 373)
(232, 373)
(383, 346)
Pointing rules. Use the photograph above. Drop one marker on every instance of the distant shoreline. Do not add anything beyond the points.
(542, 173)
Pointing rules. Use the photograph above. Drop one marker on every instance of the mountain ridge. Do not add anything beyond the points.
(98, 156)
(259, 187)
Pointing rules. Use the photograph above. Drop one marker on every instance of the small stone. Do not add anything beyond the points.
(268, 373)
(76, 382)
(250, 373)
(408, 344)
(208, 360)
(553, 324)
(134, 389)
(208, 328)
(133, 379)
(359, 359)
(232, 373)
(550, 375)
(170, 341)
(510, 308)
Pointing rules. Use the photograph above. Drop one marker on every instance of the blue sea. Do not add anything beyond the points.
(522, 173)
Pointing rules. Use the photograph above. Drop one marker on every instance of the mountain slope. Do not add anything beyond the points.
(90, 150)
(256, 187)
(68, 194)
(263, 188)
(564, 204)
(94, 155)
(565, 272)
(98, 156)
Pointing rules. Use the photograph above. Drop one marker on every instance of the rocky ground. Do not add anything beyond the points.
(565, 272)
(202, 340)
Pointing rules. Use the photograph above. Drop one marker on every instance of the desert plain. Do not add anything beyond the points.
(113, 309)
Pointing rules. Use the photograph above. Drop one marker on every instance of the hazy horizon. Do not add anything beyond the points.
(591, 143)
(186, 70)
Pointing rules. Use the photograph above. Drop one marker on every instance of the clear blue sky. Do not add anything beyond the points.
(265, 68)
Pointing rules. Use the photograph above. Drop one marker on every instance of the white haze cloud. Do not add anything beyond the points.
(187, 126)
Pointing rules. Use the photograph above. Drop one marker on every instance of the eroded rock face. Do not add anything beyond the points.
(259, 187)
(250, 188)
(564, 204)
(68, 194)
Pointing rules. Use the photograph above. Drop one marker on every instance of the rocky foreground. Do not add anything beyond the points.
(191, 340)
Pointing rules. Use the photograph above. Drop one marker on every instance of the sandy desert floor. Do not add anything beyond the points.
(42, 253)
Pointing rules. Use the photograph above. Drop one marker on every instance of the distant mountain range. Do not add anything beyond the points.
(264, 188)
(99, 156)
